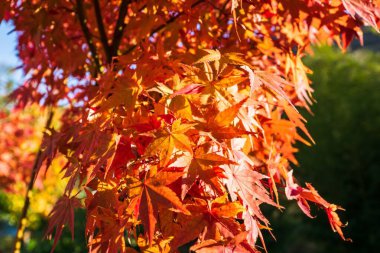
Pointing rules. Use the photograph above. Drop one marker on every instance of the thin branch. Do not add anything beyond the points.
(87, 34)
(102, 31)
(163, 26)
(222, 11)
(24, 212)
(119, 28)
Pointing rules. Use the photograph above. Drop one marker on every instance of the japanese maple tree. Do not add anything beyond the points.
(180, 116)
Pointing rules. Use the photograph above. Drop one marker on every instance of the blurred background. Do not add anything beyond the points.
(344, 165)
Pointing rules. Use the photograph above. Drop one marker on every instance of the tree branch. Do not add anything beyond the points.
(87, 34)
(24, 212)
(222, 10)
(102, 31)
(119, 28)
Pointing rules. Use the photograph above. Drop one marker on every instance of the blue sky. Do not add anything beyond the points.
(8, 56)
(7, 45)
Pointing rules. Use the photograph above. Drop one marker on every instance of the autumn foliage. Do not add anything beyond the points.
(180, 117)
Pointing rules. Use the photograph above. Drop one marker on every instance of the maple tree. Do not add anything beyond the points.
(180, 117)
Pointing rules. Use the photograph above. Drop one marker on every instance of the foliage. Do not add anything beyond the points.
(180, 117)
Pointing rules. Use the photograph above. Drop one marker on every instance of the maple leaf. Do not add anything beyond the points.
(189, 89)
(364, 9)
(222, 209)
(212, 55)
(157, 247)
(185, 227)
(222, 234)
(203, 166)
(229, 246)
(220, 125)
(61, 215)
(336, 224)
(236, 59)
(111, 233)
(293, 191)
(224, 118)
(156, 193)
(104, 195)
(274, 82)
(119, 94)
(168, 139)
(299, 75)
(181, 107)
(302, 195)
(243, 181)
(122, 155)
(49, 146)
(208, 221)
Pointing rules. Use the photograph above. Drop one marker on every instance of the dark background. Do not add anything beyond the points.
(344, 165)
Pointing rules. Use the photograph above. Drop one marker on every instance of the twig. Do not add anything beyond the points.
(24, 212)
(222, 11)
(102, 31)
(119, 28)
(87, 34)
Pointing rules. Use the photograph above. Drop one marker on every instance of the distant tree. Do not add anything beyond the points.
(7, 84)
